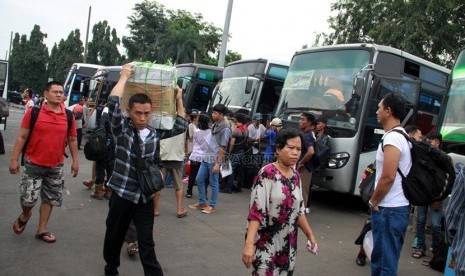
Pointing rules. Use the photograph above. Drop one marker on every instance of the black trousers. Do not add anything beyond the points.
(192, 175)
(79, 136)
(120, 214)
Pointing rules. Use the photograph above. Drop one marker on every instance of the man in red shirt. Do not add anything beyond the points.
(43, 169)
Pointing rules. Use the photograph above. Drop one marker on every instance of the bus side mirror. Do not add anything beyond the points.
(248, 86)
(359, 85)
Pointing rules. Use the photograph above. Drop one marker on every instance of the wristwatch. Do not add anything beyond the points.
(370, 204)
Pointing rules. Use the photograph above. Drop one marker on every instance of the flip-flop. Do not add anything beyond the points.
(183, 214)
(19, 225)
(418, 254)
(46, 237)
(132, 249)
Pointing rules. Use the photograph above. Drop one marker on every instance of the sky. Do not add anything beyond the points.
(259, 28)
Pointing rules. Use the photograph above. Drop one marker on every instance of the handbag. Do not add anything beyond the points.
(226, 169)
(367, 185)
(148, 174)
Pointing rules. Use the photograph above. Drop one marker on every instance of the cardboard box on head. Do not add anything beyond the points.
(158, 82)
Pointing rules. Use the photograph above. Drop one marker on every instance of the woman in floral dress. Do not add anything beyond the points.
(276, 212)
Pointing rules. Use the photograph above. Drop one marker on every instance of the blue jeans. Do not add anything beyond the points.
(205, 171)
(436, 217)
(388, 226)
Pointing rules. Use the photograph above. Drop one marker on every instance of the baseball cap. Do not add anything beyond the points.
(257, 116)
(276, 122)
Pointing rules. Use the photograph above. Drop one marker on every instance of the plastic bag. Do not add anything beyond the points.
(368, 244)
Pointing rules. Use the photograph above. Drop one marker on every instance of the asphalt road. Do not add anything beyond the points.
(198, 244)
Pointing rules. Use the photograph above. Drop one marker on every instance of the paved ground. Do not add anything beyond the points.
(198, 244)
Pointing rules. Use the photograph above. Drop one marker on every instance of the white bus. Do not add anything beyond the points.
(452, 120)
(77, 81)
(4, 79)
(251, 86)
(345, 83)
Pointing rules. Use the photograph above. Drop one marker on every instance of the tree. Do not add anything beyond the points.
(431, 29)
(28, 61)
(147, 24)
(64, 54)
(162, 35)
(103, 49)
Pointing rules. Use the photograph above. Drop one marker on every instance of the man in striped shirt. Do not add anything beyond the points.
(455, 223)
(127, 201)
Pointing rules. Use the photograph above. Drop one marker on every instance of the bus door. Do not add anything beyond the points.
(198, 95)
(371, 131)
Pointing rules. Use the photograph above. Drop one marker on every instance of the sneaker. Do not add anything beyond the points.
(198, 206)
(415, 243)
(208, 210)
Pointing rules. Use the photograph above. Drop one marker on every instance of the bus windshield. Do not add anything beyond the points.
(231, 93)
(322, 83)
(239, 86)
(453, 127)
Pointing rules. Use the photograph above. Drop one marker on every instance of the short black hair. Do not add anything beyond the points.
(310, 117)
(50, 83)
(396, 103)
(139, 98)
(204, 122)
(284, 135)
(221, 108)
(241, 118)
(432, 135)
(411, 129)
(29, 92)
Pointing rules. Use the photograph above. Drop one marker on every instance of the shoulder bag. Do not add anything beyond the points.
(148, 174)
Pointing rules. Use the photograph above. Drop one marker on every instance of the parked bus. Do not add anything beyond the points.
(452, 120)
(3, 87)
(197, 82)
(77, 81)
(345, 83)
(251, 86)
(4, 79)
(101, 85)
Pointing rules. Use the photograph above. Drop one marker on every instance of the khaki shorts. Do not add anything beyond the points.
(176, 174)
(46, 182)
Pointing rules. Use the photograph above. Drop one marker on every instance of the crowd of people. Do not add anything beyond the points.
(275, 162)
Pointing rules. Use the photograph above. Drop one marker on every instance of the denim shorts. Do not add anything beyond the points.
(44, 181)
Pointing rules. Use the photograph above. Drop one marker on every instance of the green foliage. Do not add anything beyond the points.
(64, 54)
(28, 61)
(431, 29)
(103, 49)
(158, 34)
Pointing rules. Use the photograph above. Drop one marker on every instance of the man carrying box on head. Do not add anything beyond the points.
(127, 201)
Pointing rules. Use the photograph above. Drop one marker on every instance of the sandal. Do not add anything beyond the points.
(19, 225)
(361, 260)
(46, 237)
(418, 254)
(88, 183)
(132, 249)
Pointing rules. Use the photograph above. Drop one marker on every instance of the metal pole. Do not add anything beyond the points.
(87, 36)
(224, 40)
(11, 41)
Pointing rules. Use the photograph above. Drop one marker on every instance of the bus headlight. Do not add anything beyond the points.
(338, 160)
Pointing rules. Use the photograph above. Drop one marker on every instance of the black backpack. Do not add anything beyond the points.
(431, 176)
(96, 146)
